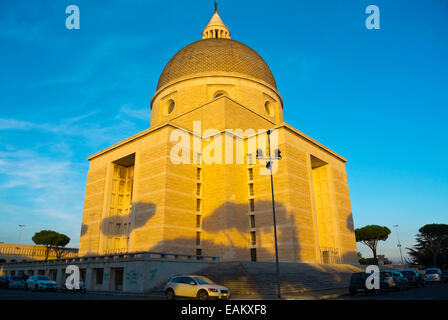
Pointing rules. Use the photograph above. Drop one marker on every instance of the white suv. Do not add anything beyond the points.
(195, 287)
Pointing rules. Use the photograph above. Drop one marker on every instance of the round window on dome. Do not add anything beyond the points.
(170, 106)
(269, 107)
(219, 93)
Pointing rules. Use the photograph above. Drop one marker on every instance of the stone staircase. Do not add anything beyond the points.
(259, 278)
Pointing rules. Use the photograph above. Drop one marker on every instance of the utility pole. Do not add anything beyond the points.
(399, 244)
(269, 160)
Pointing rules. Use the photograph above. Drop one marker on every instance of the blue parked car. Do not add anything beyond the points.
(4, 281)
(414, 278)
(16, 282)
(394, 279)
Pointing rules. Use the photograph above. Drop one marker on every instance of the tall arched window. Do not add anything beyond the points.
(269, 107)
(170, 106)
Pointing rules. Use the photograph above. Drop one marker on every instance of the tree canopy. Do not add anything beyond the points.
(52, 240)
(432, 245)
(370, 235)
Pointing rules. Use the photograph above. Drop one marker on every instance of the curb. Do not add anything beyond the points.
(305, 295)
(127, 294)
(333, 296)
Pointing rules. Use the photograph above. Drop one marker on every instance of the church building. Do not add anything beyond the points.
(140, 197)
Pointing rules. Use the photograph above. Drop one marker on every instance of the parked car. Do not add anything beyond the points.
(16, 282)
(4, 281)
(445, 276)
(358, 283)
(433, 275)
(40, 282)
(82, 288)
(192, 286)
(394, 279)
(414, 278)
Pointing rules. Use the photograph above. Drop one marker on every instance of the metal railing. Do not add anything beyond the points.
(33, 252)
(125, 256)
(329, 255)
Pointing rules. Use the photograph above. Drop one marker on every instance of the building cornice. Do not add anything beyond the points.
(218, 75)
(226, 131)
(317, 144)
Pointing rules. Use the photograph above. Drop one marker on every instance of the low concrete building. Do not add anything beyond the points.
(136, 272)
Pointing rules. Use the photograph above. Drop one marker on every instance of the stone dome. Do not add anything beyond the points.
(213, 56)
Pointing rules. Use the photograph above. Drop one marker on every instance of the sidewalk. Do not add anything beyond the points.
(326, 294)
(129, 295)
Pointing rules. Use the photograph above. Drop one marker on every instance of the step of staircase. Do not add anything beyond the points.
(260, 278)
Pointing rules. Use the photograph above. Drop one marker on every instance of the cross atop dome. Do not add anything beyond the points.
(216, 28)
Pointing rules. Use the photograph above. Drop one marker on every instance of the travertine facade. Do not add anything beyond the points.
(138, 198)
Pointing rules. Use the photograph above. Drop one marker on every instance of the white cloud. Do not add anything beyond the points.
(91, 132)
(43, 190)
(8, 124)
(142, 114)
(26, 168)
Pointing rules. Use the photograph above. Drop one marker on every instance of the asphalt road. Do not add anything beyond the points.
(429, 292)
(13, 294)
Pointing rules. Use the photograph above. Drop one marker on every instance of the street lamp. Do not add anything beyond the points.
(20, 232)
(399, 244)
(269, 160)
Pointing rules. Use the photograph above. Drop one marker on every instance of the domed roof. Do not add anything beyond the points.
(216, 55)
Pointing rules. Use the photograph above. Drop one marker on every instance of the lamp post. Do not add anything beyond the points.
(269, 160)
(399, 244)
(20, 232)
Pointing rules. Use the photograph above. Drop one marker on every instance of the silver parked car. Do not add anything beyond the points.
(192, 286)
(39, 282)
(433, 275)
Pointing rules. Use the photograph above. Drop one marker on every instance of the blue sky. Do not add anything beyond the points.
(377, 97)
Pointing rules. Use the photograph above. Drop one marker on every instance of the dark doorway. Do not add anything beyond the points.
(82, 274)
(253, 254)
(99, 274)
(118, 279)
(53, 274)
